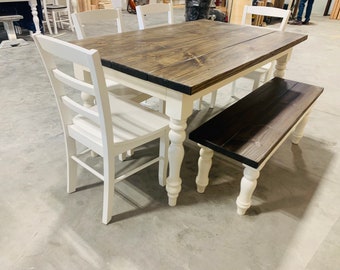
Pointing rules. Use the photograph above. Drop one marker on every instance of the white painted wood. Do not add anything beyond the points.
(248, 185)
(152, 9)
(97, 17)
(204, 165)
(57, 14)
(299, 129)
(110, 127)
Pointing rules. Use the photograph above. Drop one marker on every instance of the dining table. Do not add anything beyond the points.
(182, 62)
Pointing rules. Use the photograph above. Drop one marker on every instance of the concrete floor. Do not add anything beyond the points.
(293, 224)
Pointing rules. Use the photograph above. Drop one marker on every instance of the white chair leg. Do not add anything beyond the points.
(298, 132)
(163, 162)
(71, 167)
(213, 99)
(256, 83)
(204, 165)
(233, 90)
(198, 104)
(161, 106)
(54, 23)
(248, 185)
(109, 178)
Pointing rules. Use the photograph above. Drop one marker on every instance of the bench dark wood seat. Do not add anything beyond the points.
(252, 129)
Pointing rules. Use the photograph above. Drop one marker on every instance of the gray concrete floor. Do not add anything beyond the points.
(293, 224)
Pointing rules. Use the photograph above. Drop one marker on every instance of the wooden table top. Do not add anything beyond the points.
(190, 56)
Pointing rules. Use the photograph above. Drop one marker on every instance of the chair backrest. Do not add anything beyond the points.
(267, 11)
(150, 11)
(97, 19)
(56, 54)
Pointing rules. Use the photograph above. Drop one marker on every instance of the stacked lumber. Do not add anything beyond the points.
(335, 14)
(86, 5)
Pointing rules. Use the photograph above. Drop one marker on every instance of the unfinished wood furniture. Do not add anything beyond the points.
(179, 64)
(145, 12)
(12, 41)
(335, 13)
(109, 128)
(252, 129)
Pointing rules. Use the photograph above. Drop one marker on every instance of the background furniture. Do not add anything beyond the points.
(9, 27)
(109, 128)
(33, 5)
(149, 10)
(58, 15)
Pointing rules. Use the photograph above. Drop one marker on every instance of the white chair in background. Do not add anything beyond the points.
(97, 17)
(145, 16)
(57, 15)
(110, 127)
(112, 19)
(264, 73)
(145, 13)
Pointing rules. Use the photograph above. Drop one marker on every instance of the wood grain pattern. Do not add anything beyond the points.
(190, 56)
(251, 128)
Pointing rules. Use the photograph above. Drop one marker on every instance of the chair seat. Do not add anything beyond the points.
(130, 121)
(51, 6)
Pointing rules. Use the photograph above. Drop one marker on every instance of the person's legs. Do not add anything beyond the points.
(308, 10)
(301, 9)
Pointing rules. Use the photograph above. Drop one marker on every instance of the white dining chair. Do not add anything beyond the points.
(110, 127)
(147, 14)
(57, 14)
(264, 73)
(95, 22)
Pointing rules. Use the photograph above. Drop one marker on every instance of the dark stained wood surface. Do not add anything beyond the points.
(251, 128)
(190, 56)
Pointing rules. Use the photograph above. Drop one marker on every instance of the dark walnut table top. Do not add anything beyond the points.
(190, 56)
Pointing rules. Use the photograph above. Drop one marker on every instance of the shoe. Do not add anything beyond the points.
(296, 22)
(305, 22)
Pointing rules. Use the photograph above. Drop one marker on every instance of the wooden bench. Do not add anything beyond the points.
(251, 130)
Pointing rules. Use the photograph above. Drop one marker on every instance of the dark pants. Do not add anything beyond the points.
(308, 9)
(196, 9)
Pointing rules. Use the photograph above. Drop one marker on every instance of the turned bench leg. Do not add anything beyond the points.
(248, 185)
(298, 132)
(204, 165)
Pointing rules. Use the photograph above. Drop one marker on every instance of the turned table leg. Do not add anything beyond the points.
(176, 155)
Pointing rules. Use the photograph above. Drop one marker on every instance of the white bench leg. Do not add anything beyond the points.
(204, 165)
(298, 132)
(248, 185)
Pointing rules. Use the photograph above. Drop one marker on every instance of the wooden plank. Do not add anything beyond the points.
(250, 129)
(335, 10)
